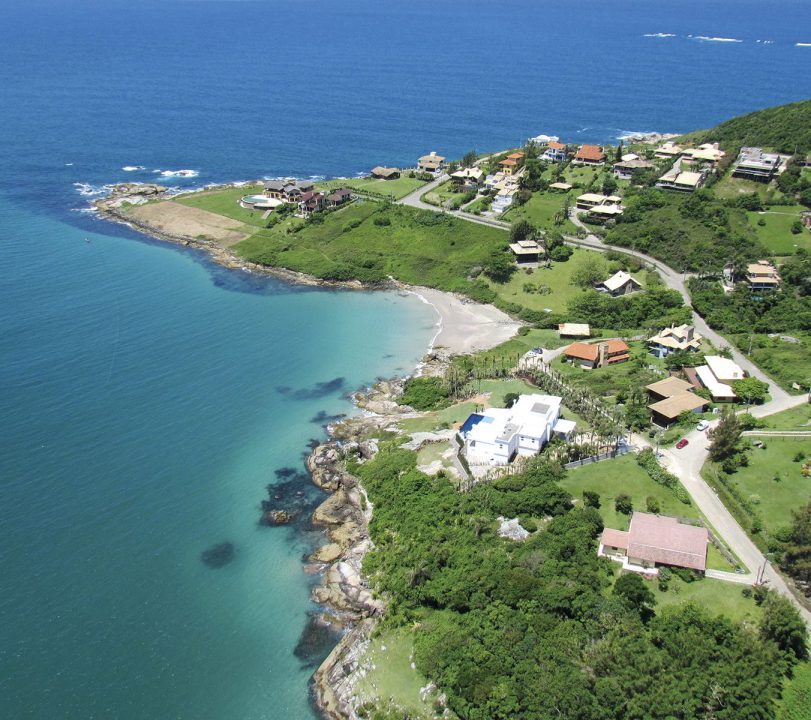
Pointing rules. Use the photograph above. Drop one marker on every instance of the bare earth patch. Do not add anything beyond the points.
(173, 218)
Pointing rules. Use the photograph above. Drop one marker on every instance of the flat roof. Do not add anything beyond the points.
(709, 381)
(724, 368)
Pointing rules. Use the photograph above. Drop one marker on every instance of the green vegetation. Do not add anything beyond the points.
(390, 682)
(773, 229)
(796, 703)
(716, 596)
(767, 488)
(394, 189)
(624, 476)
(416, 246)
(785, 128)
(693, 232)
(798, 418)
(616, 380)
(225, 202)
(543, 210)
(795, 541)
(446, 195)
(788, 362)
(534, 629)
(425, 393)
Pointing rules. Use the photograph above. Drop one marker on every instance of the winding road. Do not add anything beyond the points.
(685, 463)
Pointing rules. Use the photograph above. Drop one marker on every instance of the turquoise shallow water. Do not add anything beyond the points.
(141, 414)
(148, 397)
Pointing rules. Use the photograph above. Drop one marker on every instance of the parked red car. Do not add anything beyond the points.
(681, 443)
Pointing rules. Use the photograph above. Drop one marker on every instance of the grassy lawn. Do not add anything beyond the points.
(396, 189)
(728, 188)
(541, 209)
(775, 499)
(716, 596)
(776, 234)
(582, 175)
(225, 202)
(443, 195)
(622, 475)
(786, 362)
(522, 286)
(440, 419)
(798, 418)
(796, 701)
(642, 369)
(391, 682)
(370, 241)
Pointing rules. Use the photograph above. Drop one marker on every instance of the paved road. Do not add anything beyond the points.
(413, 199)
(685, 463)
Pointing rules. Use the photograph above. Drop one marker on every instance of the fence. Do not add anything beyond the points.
(622, 450)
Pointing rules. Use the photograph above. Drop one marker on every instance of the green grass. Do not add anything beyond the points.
(623, 475)
(776, 233)
(391, 682)
(798, 418)
(583, 174)
(225, 202)
(729, 188)
(775, 500)
(557, 279)
(397, 189)
(619, 378)
(443, 195)
(498, 389)
(785, 362)
(715, 596)
(796, 702)
(418, 246)
(541, 209)
(439, 419)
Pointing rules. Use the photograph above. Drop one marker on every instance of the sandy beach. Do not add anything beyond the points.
(465, 326)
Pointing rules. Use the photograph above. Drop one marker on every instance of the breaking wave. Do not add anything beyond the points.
(178, 173)
(707, 38)
(659, 35)
(132, 168)
(88, 190)
(802, 44)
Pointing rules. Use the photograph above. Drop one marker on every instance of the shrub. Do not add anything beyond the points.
(561, 253)
(382, 221)
(425, 393)
(623, 504)
(652, 505)
(591, 498)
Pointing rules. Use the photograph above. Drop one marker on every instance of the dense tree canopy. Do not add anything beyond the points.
(534, 630)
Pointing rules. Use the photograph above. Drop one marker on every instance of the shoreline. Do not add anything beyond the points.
(347, 603)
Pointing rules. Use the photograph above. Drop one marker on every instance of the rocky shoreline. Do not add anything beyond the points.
(111, 208)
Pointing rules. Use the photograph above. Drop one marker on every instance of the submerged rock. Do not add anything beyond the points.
(276, 517)
(219, 555)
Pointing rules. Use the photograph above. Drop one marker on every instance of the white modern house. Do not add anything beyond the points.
(497, 435)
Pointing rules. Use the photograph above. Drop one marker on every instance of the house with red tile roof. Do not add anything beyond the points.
(589, 155)
(555, 152)
(590, 356)
(653, 541)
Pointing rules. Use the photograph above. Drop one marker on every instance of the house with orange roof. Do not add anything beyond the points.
(589, 155)
(590, 356)
(512, 163)
(555, 152)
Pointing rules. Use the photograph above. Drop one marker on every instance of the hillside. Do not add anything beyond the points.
(785, 128)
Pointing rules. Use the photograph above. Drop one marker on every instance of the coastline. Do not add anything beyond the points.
(348, 603)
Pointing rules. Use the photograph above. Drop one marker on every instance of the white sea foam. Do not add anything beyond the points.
(765, 42)
(659, 35)
(707, 38)
(802, 44)
(88, 190)
(178, 173)
(132, 168)
(68, 164)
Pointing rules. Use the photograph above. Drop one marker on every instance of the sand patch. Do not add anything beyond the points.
(173, 218)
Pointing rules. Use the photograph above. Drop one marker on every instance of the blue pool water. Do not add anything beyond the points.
(147, 397)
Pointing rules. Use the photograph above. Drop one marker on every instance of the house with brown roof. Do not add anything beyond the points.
(670, 398)
(590, 356)
(467, 178)
(589, 155)
(626, 169)
(385, 173)
(431, 163)
(338, 197)
(526, 251)
(311, 202)
(654, 541)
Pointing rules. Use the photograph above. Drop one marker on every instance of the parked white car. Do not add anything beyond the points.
(702, 426)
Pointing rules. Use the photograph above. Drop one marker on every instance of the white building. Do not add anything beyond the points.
(496, 435)
(717, 374)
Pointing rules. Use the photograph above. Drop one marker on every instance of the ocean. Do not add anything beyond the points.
(149, 397)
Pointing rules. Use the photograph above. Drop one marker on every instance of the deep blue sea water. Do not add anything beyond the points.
(147, 397)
